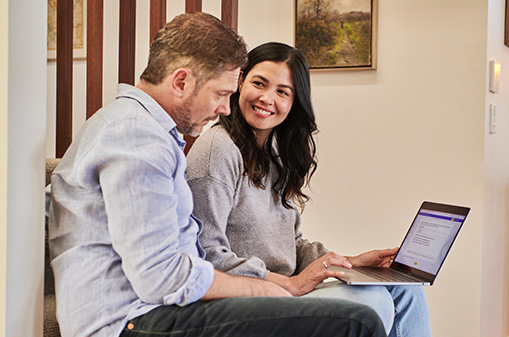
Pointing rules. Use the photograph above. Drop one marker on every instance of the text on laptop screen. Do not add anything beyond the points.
(429, 240)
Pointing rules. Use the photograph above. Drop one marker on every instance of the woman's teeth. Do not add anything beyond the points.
(263, 112)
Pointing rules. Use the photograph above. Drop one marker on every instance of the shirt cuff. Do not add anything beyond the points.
(198, 283)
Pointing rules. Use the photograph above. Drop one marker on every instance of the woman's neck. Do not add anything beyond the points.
(261, 137)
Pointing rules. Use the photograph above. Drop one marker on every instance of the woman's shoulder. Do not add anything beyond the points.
(215, 139)
(218, 136)
(214, 151)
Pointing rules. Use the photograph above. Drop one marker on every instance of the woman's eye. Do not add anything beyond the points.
(286, 93)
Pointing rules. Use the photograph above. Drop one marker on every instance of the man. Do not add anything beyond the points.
(123, 241)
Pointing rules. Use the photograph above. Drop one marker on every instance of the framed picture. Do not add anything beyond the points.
(506, 35)
(79, 29)
(337, 34)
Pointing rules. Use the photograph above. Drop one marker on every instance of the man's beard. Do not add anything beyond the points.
(182, 116)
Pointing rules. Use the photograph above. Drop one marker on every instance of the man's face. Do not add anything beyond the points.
(207, 103)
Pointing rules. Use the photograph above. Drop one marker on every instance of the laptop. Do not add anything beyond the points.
(422, 252)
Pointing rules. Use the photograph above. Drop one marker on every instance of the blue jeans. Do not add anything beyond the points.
(403, 309)
(260, 317)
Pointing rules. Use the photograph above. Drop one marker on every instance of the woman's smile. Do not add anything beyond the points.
(266, 97)
(262, 111)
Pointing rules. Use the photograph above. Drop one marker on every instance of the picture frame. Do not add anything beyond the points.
(337, 34)
(506, 34)
(79, 29)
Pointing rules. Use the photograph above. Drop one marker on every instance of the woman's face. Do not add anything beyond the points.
(266, 97)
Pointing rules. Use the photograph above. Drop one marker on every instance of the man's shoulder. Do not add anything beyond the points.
(121, 109)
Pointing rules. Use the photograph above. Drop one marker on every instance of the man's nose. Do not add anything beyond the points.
(224, 107)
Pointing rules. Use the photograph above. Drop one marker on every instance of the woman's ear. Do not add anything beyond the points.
(241, 81)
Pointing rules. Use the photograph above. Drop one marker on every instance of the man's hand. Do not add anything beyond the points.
(374, 258)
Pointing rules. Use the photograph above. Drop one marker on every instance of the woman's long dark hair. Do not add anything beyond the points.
(296, 148)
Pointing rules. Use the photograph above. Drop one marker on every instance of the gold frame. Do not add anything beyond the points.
(352, 48)
(506, 35)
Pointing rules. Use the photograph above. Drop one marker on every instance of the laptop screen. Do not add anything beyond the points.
(429, 239)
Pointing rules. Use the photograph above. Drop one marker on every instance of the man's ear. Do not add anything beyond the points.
(181, 81)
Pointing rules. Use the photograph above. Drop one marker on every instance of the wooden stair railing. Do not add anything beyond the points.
(127, 26)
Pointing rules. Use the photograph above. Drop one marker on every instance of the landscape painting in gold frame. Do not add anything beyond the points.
(506, 34)
(337, 34)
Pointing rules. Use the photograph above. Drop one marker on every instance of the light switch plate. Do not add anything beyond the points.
(493, 118)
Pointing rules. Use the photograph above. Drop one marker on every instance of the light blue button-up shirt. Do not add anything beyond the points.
(122, 237)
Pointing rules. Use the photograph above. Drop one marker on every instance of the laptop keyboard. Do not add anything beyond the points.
(384, 274)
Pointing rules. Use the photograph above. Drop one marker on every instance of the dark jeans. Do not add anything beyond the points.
(259, 316)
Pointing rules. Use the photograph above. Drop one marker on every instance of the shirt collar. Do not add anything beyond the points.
(153, 108)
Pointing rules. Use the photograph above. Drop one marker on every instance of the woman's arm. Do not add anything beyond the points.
(214, 170)
(317, 270)
(307, 251)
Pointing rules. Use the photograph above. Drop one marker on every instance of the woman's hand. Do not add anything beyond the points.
(374, 258)
(317, 271)
(312, 275)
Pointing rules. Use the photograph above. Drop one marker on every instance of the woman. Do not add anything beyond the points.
(247, 175)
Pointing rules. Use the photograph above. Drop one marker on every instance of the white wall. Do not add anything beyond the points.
(4, 20)
(495, 290)
(24, 138)
(412, 130)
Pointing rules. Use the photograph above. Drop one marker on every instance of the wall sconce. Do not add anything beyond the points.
(494, 76)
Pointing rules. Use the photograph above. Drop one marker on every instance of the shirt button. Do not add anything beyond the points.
(130, 326)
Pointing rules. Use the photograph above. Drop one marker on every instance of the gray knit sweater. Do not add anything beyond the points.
(246, 230)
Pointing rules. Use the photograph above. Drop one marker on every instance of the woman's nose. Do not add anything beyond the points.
(267, 97)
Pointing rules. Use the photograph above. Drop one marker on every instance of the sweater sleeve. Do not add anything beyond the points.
(214, 169)
(307, 251)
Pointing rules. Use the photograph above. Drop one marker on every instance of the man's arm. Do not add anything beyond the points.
(225, 285)
(148, 204)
